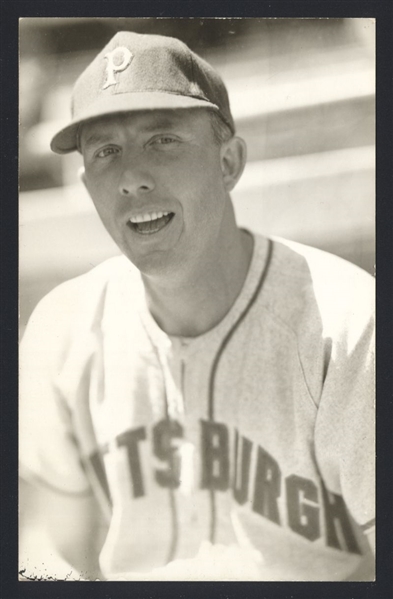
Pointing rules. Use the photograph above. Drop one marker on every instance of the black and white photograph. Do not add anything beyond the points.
(197, 299)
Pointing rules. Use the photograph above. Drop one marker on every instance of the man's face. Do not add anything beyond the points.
(156, 181)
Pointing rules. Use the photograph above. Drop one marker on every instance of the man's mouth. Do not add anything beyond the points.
(149, 223)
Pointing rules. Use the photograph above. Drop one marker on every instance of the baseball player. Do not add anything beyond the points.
(202, 406)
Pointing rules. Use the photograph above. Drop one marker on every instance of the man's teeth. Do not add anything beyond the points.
(143, 218)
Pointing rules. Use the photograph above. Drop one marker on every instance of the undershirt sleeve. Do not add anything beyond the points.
(48, 450)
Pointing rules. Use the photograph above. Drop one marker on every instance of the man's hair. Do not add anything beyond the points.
(221, 131)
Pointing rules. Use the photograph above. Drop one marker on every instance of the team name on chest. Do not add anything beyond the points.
(247, 470)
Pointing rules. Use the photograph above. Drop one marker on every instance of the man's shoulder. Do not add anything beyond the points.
(98, 277)
(82, 295)
(324, 271)
(313, 288)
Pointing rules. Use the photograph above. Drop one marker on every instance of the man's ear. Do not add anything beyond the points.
(82, 175)
(233, 160)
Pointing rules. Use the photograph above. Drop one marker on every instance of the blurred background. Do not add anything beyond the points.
(302, 94)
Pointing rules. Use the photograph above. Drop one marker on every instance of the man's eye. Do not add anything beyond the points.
(165, 140)
(106, 152)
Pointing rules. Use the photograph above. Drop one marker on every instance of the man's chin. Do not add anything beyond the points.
(158, 264)
(165, 257)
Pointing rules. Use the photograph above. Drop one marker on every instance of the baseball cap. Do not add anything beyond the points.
(141, 72)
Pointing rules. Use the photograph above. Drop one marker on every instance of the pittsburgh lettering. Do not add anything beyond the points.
(305, 506)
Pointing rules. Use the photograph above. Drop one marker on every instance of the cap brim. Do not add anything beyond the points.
(66, 139)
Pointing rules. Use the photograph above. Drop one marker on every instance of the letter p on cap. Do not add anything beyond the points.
(114, 66)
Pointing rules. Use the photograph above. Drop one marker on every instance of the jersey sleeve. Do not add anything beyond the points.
(345, 426)
(48, 450)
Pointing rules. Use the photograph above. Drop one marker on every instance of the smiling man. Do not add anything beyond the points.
(201, 407)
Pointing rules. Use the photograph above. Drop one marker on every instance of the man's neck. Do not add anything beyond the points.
(193, 307)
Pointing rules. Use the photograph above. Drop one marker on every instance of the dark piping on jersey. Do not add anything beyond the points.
(213, 372)
(175, 528)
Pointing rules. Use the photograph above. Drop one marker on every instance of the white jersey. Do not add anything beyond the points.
(259, 432)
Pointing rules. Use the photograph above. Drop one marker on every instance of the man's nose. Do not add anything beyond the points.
(135, 179)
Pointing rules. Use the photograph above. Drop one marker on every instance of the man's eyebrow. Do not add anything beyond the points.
(96, 138)
(163, 122)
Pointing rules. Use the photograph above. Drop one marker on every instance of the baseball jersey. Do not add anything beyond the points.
(258, 432)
